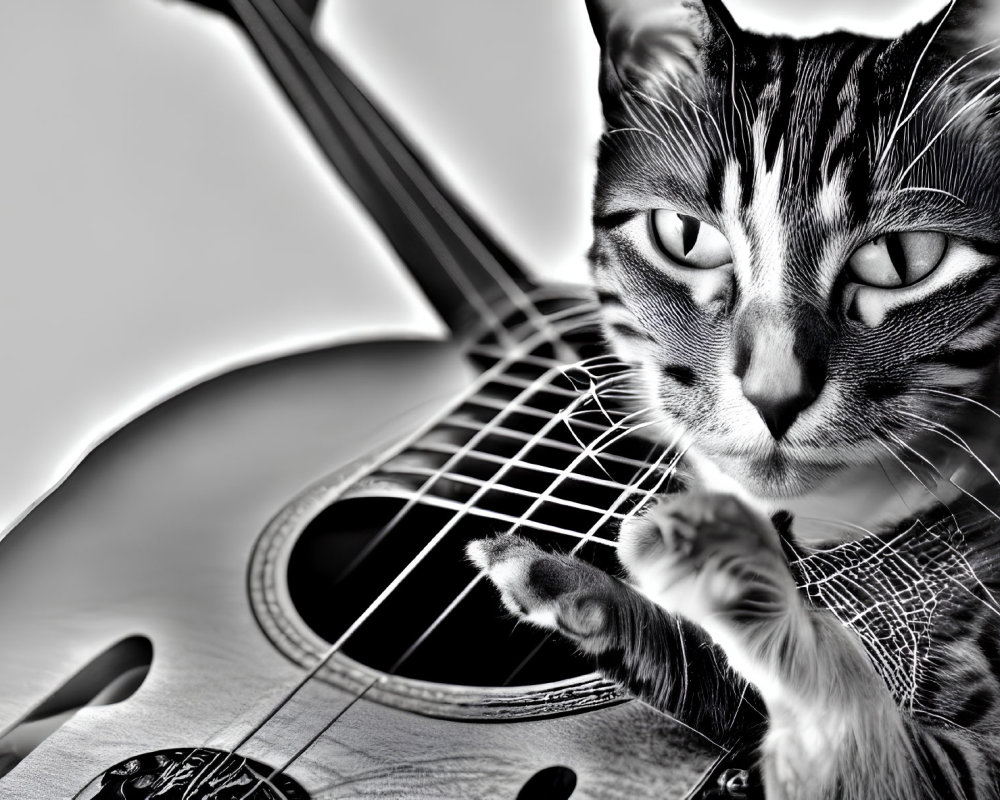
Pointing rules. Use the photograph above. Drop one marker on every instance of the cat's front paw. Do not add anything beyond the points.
(709, 557)
(551, 590)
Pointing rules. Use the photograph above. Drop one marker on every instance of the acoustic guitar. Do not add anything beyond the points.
(257, 590)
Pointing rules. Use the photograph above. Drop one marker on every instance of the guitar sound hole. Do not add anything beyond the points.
(477, 644)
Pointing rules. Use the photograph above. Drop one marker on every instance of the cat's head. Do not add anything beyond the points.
(797, 241)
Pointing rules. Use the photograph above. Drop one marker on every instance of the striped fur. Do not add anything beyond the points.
(872, 658)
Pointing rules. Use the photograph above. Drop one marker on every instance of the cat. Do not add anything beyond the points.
(795, 247)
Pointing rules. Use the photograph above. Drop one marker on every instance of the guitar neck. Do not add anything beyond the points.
(461, 269)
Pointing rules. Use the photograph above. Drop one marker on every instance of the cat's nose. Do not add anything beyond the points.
(780, 371)
(777, 408)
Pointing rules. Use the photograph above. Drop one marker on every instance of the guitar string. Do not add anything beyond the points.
(456, 455)
(300, 24)
(671, 470)
(411, 566)
(449, 265)
(638, 506)
(534, 341)
(651, 469)
(396, 466)
(404, 159)
(566, 320)
(520, 436)
(445, 449)
(566, 413)
(627, 491)
(468, 448)
(495, 516)
(496, 404)
(456, 477)
(294, 22)
(541, 383)
(413, 647)
(258, 28)
(591, 537)
(423, 637)
(447, 261)
(538, 386)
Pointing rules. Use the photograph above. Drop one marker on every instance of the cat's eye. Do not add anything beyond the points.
(688, 241)
(898, 259)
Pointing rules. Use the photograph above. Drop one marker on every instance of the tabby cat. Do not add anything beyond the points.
(796, 246)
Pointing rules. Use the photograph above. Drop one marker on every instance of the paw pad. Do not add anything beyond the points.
(548, 589)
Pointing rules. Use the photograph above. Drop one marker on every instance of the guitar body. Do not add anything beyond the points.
(258, 590)
(153, 536)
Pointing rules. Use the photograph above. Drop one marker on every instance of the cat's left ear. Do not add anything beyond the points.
(646, 42)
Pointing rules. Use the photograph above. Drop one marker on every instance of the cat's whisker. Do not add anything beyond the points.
(639, 130)
(950, 435)
(923, 458)
(584, 376)
(946, 479)
(622, 385)
(956, 67)
(939, 718)
(600, 405)
(699, 111)
(941, 476)
(952, 70)
(592, 454)
(905, 466)
(642, 116)
(944, 128)
(626, 432)
(837, 523)
(591, 388)
(934, 191)
(919, 61)
(969, 400)
(743, 701)
(627, 399)
(613, 378)
(992, 604)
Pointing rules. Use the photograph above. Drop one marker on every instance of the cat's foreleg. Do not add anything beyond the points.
(658, 657)
(834, 728)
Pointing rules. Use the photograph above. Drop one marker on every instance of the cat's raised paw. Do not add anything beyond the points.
(551, 590)
(707, 556)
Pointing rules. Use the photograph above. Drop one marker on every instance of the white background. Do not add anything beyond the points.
(163, 215)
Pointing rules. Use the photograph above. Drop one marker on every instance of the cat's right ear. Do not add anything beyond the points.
(645, 43)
